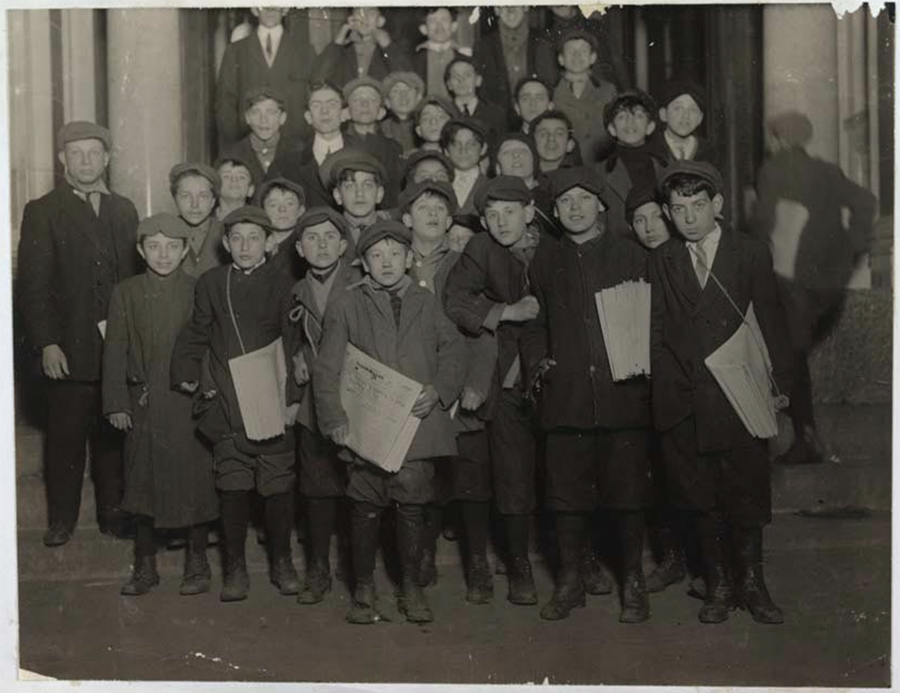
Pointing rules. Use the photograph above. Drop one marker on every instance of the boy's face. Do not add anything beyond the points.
(458, 237)
(402, 99)
(682, 116)
(463, 80)
(387, 262)
(85, 160)
(265, 118)
(510, 15)
(236, 182)
(533, 100)
(360, 194)
(578, 210)
(551, 139)
(195, 199)
(365, 20)
(428, 217)
(515, 159)
(439, 25)
(465, 150)
(283, 209)
(564, 11)
(632, 127)
(247, 244)
(694, 216)
(162, 254)
(507, 220)
(270, 17)
(430, 169)
(321, 244)
(431, 121)
(577, 56)
(324, 113)
(365, 105)
(649, 225)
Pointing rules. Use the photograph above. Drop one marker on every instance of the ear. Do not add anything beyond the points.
(140, 249)
(407, 220)
(454, 25)
(593, 58)
(307, 116)
(516, 109)
(336, 193)
(718, 202)
(299, 246)
(345, 114)
(251, 190)
(381, 113)
(184, 251)
(105, 159)
(611, 129)
(551, 106)
(254, 11)
(529, 213)
(364, 264)
(225, 243)
(560, 59)
(484, 149)
(699, 122)
(342, 247)
(662, 115)
(479, 80)
(418, 131)
(302, 211)
(379, 195)
(423, 29)
(651, 126)
(282, 119)
(62, 158)
(497, 169)
(409, 258)
(380, 21)
(570, 146)
(449, 220)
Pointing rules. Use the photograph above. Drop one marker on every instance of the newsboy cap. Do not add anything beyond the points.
(83, 130)
(414, 191)
(248, 214)
(362, 81)
(638, 197)
(577, 33)
(423, 155)
(501, 188)
(672, 90)
(700, 169)
(320, 215)
(281, 183)
(380, 230)
(202, 170)
(349, 159)
(410, 79)
(167, 224)
(564, 179)
(251, 96)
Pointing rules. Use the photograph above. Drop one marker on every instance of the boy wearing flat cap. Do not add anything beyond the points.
(465, 142)
(579, 95)
(240, 308)
(463, 83)
(238, 184)
(322, 240)
(195, 190)
(597, 429)
(284, 203)
(488, 290)
(400, 324)
(682, 108)
(402, 93)
(432, 114)
(645, 216)
(427, 164)
(169, 481)
(703, 283)
(77, 243)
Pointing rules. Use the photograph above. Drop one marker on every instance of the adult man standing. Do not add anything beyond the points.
(78, 242)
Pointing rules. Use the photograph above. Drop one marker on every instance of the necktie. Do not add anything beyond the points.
(702, 265)
(94, 197)
(269, 47)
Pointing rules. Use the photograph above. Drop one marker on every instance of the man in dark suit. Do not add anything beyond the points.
(270, 56)
(78, 242)
(703, 285)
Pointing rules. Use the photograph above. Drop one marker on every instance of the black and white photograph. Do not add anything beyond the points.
(511, 345)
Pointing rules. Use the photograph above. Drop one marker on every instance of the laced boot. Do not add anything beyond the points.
(672, 569)
(317, 583)
(635, 603)
(521, 581)
(143, 577)
(754, 595)
(236, 583)
(569, 591)
(197, 578)
(596, 581)
(480, 583)
(719, 599)
(410, 526)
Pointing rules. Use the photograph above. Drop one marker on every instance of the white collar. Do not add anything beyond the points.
(274, 32)
(689, 145)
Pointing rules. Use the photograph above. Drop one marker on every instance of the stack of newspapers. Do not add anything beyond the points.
(624, 312)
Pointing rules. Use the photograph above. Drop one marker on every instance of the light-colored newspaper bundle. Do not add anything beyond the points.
(259, 382)
(743, 369)
(378, 401)
(624, 312)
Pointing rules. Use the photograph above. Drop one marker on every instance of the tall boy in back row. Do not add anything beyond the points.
(702, 285)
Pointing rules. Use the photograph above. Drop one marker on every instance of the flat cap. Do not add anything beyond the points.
(440, 101)
(527, 140)
(197, 169)
(251, 96)
(281, 183)
(348, 159)
(564, 179)
(248, 214)
(528, 79)
(389, 228)
(83, 130)
(362, 81)
(414, 191)
(505, 188)
(235, 159)
(167, 224)
(577, 33)
(638, 197)
(320, 215)
(629, 99)
(672, 90)
(423, 155)
(466, 122)
(793, 127)
(700, 169)
(410, 79)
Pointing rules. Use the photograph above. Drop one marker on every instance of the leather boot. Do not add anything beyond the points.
(480, 583)
(143, 577)
(596, 581)
(431, 527)
(569, 591)
(635, 604)
(754, 595)
(284, 576)
(279, 522)
(197, 578)
(317, 583)
(410, 526)
(672, 568)
(521, 581)
(236, 583)
(235, 510)
(363, 610)
(719, 599)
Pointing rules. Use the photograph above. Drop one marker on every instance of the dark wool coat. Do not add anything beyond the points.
(688, 324)
(286, 149)
(261, 302)
(706, 151)
(287, 260)
(212, 252)
(168, 470)
(388, 152)
(301, 168)
(69, 262)
(579, 391)
(615, 177)
(338, 64)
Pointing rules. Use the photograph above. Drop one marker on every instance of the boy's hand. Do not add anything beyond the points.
(382, 38)
(301, 370)
(471, 399)
(343, 36)
(54, 362)
(341, 435)
(121, 421)
(190, 388)
(290, 413)
(426, 401)
(782, 402)
(525, 309)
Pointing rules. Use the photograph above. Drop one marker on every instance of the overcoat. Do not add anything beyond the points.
(615, 178)
(286, 148)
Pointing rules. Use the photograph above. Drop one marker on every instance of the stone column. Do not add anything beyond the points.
(145, 111)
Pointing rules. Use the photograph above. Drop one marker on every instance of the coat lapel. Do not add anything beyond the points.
(78, 212)
(619, 180)
(681, 269)
(724, 268)
(413, 303)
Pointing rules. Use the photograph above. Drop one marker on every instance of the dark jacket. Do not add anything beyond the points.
(706, 150)
(287, 149)
(301, 167)
(212, 252)
(579, 391)
(688, 324)
(338, 64)
(388, 152)
(618, 184)
(69, 262)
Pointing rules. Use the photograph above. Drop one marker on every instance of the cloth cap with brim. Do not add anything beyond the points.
(700, 169)
(576, 33)
(83, 130)
(381, 230)
(410, 79)
(672, 90)
(636, 97)
(248, 214)
(793, 127)
(235, 160)
(501, 188)
(168, 225)
(638, 197)
(527, 140)
(528, 79)
(281, 183)
(564, 179)
(436, 100)
(348, 159)
(321, 215)
(423, 155)
(413, 192)
(251, 96)
(473, 124)
(362, 81)
(202, 170)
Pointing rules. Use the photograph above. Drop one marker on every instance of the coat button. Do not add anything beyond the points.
(592, 369)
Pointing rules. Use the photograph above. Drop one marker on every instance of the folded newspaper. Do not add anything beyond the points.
(743, 369)
(378, 401)
(624, 312)
(259, 379)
